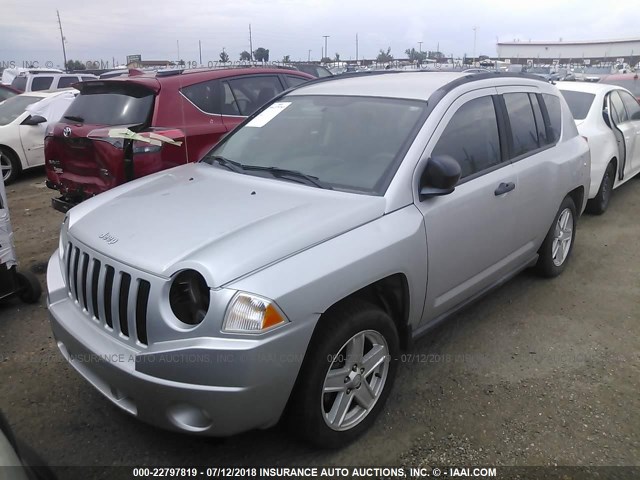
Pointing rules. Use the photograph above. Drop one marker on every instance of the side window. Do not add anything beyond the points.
(524, 132)
(19, 83)
(295, 81)
(471, 137)
(252, 92)
(84, 79)
(229, 104)
(41, 83)
(554, 112)
(65, 82)
(204, 95)
(631, 105)
(619, 114)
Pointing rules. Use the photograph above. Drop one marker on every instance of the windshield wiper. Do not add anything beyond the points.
(291, 175)
(74, 118)
(225, 162)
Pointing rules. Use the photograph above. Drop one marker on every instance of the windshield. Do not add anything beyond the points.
(540, 70)
(349, 143)
(631, 84)
(13, 107)
(579, 103)
(111, 105)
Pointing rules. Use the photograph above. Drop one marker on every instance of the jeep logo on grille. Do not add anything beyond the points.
(67, 131)
(110, 239)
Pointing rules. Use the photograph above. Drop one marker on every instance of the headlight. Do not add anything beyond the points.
(249, 313)
(189, 297)
(63, 236)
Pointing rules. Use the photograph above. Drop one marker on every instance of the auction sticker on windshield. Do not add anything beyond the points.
(268, 114)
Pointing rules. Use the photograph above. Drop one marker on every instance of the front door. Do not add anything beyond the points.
(633, 113)
(32, 139)
(623, 130)
(470, 232)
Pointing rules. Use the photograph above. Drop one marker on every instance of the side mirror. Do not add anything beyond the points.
(439, 177)
(34, 120)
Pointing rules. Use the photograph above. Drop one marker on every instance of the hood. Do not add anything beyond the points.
(221, 223)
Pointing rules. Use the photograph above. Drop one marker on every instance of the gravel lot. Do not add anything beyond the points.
(539, 372)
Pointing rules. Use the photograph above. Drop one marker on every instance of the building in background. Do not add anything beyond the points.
(571, 52)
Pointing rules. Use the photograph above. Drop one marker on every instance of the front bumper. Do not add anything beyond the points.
(209, 386)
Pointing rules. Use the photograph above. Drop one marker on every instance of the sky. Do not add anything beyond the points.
(104, 30)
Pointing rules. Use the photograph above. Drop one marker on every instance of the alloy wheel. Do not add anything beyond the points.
(5, 166)
(355, 380)
(563, 237)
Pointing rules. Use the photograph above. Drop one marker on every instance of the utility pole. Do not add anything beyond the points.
(200, 50)
(356, 48)
(420, 46)
(64, 51)
(250, 44)
(178, 45)
(309, 56)
(474, 44)
(326, 52)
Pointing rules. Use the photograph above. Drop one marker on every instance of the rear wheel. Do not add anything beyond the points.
(558, 244)
(9, 165)
(346, 376)
(600, 202)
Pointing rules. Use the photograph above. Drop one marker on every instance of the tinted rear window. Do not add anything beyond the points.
(112, 105)
(579, 103)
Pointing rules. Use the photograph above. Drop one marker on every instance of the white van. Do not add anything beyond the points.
(33, 82)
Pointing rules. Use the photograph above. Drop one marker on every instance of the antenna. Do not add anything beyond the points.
(64, 52)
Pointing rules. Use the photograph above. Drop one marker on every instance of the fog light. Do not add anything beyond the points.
(249, 313)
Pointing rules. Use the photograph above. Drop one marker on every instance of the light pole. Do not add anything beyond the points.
(309, 56)
(326, 52)
(474, 45)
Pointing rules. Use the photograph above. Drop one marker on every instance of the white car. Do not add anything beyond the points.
(608, 116)
(23, 122)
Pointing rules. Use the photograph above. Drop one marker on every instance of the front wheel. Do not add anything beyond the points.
(346, 376)
(558, 244)
(9, 165)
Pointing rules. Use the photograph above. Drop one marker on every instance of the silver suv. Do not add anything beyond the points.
(282, 274)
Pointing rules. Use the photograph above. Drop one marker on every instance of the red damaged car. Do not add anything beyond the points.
(124, 128)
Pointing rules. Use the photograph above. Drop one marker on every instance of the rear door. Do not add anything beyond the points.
(469, 232)
(204, 125)
(533, 128)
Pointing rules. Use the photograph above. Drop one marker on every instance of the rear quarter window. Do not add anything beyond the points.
(554, 112)
(19, 83)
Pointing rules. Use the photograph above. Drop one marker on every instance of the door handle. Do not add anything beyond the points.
(504, 188)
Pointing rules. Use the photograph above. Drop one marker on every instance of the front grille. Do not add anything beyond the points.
(109, 295)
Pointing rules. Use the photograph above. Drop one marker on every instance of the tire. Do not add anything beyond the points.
(30, 289)
(10, 166)
(598, 205)
(311, 410)
(550, 265)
